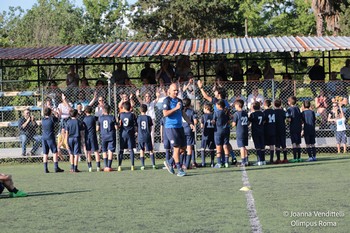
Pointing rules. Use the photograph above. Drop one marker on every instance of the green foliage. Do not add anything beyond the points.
(344, 19)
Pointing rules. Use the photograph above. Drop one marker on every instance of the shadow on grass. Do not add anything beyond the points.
(47, 193)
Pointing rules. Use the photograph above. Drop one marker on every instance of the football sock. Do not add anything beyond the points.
(153, 159)
(98, 164)
(181, 158)
(178, 166)
(226, 158)
(188, 161)
(212, 156)
(222, 157)
(313, 149)
(120, 158)
(218, 160)
(294, 153)
(55, 165)
(132, 157)
(232, 153)
(203, 157)
(299, 152)
(308, 149)
(89, 164)
(193, 156)
(45, 166)
(110, 163)
(258, 155)
(75, 167)
(271, 155)
(285, 154)
(262, 155)
(142, 161)
(171, 161)
(105, 161)
(167, 155)
(72, 167)
(278, 154)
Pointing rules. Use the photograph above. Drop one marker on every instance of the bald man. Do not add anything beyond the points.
(173, 113)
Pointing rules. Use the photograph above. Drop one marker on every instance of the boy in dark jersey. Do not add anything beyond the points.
(207, 134)
(270, 128)
(295, 127)
(240, 121)
(257, 119)
(280, 115)
(48, 139)
(91, 144)
(309, 120)
(74, 130)
(107, 125)
(221, 120)
(189, 133)
(127, 124)
(144, 126)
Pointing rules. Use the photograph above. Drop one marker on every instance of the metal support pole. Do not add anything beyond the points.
(329, 65)
(38, 69)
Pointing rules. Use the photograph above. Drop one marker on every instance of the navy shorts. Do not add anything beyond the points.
(1, 188)
(259, 142)
(310, 139)
(190, 140)
(242, 142)
(145, 146)
(222, 138)
(176, 136)
(340, 137)
(127, 141)
(49, 144)
(208, 143)
(295, 138)
(74, 146)
(108, 145)
(91, 143)
(270, 140)
(281, 141)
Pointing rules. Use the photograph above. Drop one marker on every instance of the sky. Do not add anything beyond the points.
(27, 4)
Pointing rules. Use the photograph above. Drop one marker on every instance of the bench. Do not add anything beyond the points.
(19, 93)
(9, 139)
(19, 108)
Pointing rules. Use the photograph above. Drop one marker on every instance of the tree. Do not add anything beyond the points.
(344, 22)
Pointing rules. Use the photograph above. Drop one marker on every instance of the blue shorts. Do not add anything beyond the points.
(310, 139)
(340, 137)
(1, 188)
(190, 140)
(127, 141)
(49, 144)
(221, 138)
(108, 145)
(259, 142)
(145, 146)
(208, 143)
(242, 142)
(270, 140)
(91, 143)
(74, 145)
(281, 141)
(176, 136)
(295, 138)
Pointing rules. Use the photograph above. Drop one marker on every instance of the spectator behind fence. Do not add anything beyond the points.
(253, 75)
(189, 87)
(148, 74)
(317, 76)
(345, 71)
(269, 76)
(321, 103)
(27, 132)
(332, 84)
(119, 76)
(55, 93)
(219, 83)
(254, 97)
(221, 70)
(237, 95)
(85, 88)
(237, 74)
(72, 82)
(183, 67)
(165, 73)
(125, 98)
(101, 89)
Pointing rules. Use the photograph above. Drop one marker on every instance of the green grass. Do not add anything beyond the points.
(208, 200)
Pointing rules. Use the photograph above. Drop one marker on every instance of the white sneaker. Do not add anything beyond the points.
(98, 169)
(90, 169)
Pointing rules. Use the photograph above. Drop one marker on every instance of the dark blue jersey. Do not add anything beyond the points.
(270, 122)
(107, 125)
(280, 117)
(191, 115)
(208, 129)
(81, 116)
(48, 127)
(241, 120)
(214, 100)
(144, 126)
(74, 126)
(175, 119)
(89, 123)
(222, 121)
(296, 123)
(309, 120)
(257, 119)
(128, 122)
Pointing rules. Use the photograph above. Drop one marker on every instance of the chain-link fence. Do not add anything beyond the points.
(325, 100)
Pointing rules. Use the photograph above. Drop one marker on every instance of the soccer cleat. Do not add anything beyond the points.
(59, 170)
(98, 169)
(314, 158)
(119, 168)
(142, 168)
(203, 165)
(277, 162)
(154, 167)
(18, 194)
(90, 169)
(234, 161)
(310, 159)
(212, 165)
(226, 165)
(293, 161)
(181, 173)
(132, 168)
(194, 165)
(77, 171)
(218, 165)
(47, 171)
(285, 161)
(169, 168)
(300, 160)
(263, 163)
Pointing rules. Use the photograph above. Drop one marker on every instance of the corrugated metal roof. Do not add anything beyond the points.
(182, 47)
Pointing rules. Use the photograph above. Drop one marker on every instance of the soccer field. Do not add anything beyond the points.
(301, 197)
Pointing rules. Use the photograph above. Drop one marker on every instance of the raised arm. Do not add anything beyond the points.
(204, 94)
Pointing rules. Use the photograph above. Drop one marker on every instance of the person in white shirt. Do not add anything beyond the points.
(337, 116)
(254, 97)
